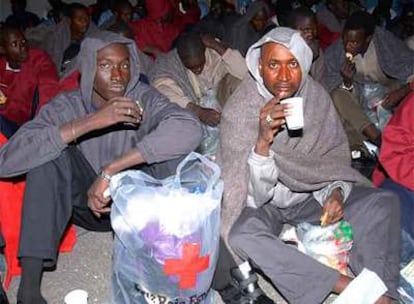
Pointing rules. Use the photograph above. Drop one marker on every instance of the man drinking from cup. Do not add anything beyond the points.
(272, 178)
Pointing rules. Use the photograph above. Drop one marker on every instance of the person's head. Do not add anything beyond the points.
(340, 8)
(283, 9)
(112, 73)
(18, 6)
(109, 67)
(303, 19)
(358, 32)
(79, 19)
(159, 10)
(279, 62)
(191, 51)
(216, 8)
(259, 20)
(123, 10)
(13, 45)
(258, 14)
(59, 11)
(122, 29)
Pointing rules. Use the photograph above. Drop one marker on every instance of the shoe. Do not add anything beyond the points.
(3, 295)
(249, 288)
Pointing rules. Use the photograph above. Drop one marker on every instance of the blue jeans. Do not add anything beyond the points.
(406, 197)
(7, 127)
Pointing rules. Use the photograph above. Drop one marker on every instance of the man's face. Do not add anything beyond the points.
(280, 70)
(355, 41)
(340, 8)
(309, 32)
(259, 21)
(124, 13)
(112, 72)
(195, 64)
(79, 22)
(15, 48)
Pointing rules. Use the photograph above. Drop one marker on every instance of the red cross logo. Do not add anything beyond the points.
(188, 266)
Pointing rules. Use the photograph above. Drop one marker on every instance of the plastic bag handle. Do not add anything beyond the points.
(193, 156)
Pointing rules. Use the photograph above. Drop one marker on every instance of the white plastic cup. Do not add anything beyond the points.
(295, 120)
(77, 296)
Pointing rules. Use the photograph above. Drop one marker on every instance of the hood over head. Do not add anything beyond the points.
(157, 8)
(254, 8)
(86, 62)
(293, 41)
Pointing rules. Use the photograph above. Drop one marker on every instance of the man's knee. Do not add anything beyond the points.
(384, 204)
(239, 234)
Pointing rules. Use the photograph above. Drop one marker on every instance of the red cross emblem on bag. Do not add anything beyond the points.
(188, 266)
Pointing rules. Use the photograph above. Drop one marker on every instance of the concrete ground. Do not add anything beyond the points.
(88, 267)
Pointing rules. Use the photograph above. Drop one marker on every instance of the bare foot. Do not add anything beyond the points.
(384, 300)
(342, 283)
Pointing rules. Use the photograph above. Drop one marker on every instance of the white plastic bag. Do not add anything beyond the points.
(330, 244)
(166, 234)
(373, 95)
(211, 135)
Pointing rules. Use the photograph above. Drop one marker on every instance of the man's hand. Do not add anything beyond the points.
(333, 208)
(210, 117)
(272, 117)
(207, 116)
(96, 200)
(210, 41)
(393, 98)
(348, 71)
(117, 110)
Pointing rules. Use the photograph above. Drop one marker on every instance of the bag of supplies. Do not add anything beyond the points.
(166, 234)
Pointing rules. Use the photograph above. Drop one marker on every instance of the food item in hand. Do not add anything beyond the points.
(349, 56)
(324, 219)
(3, 99)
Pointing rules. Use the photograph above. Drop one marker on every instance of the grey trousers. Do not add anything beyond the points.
(56, 194)
(375, 218)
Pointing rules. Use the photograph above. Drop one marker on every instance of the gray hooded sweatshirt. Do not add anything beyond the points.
(165, 132)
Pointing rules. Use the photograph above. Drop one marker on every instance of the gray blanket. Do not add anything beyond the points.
(306, 164)
(170, 66)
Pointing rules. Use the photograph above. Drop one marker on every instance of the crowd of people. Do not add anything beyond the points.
(90, 91)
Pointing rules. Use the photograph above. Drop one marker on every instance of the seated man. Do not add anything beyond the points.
(396, 172)
(303, 19)
(377, 62)
(79, 140)
(284, 179)
(197, 66)
(64, 44)
(28, 79)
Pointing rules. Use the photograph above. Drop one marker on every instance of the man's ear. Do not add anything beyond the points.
(260, 67)
(2, 50)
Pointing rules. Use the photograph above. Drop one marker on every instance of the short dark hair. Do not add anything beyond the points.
(8, 28)
(297, 13)
(190, 45)
(75, 6)
(122, 28)
(361, 20)
(284, 7)
(119, 4)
